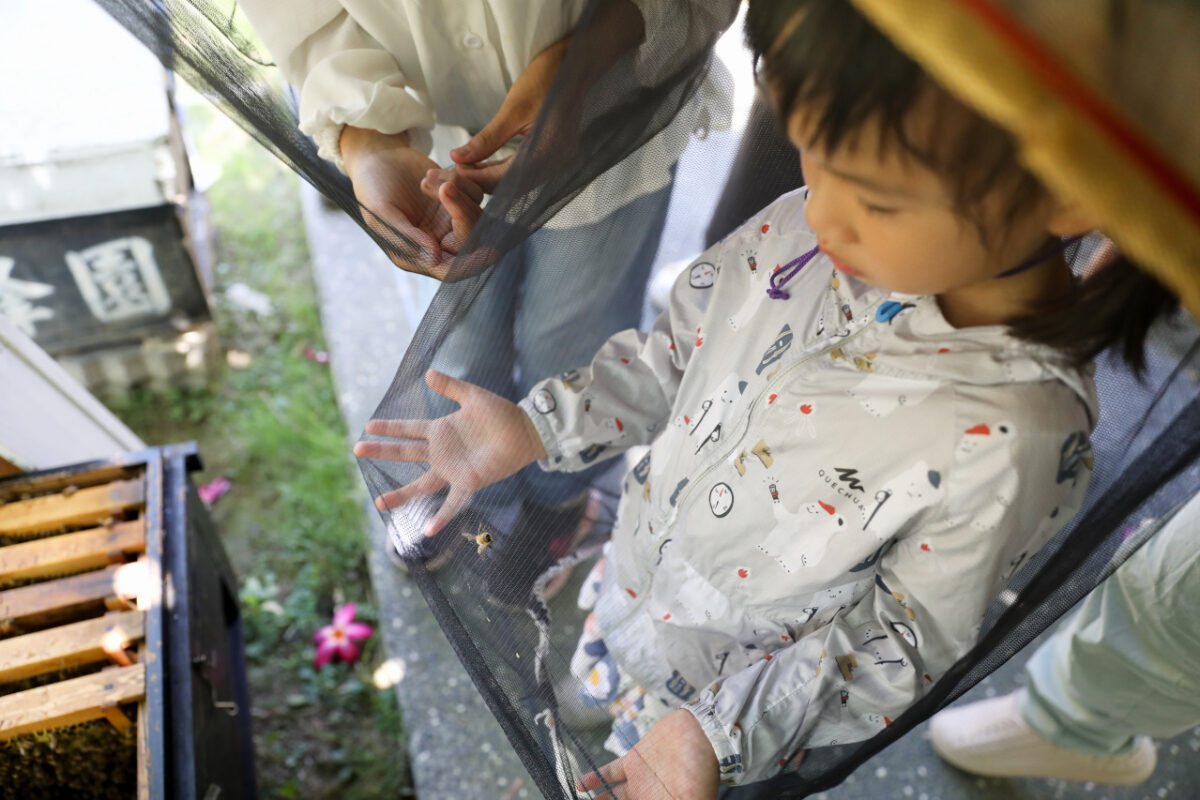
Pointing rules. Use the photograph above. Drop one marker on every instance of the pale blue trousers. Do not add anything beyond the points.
(1127, 662)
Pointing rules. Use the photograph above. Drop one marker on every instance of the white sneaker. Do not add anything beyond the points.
(992, 738)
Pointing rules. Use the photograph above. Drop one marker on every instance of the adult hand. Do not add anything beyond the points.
(386, 175)
(487, 439)
(514, 118)
(673, 760)
(462, 200)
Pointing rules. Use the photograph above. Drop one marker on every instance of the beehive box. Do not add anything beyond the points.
(81, 661)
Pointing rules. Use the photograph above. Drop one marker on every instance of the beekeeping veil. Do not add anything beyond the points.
(1101, 96)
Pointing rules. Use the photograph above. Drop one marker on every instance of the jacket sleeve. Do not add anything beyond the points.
(625, 395)
(849, 678)
(343, 75)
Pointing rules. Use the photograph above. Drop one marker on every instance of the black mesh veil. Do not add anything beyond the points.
(625, 80)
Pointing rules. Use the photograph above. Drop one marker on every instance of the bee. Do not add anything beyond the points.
(482, 539)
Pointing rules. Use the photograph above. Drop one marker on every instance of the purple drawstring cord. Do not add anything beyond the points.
(1049, 252)
(787, 272)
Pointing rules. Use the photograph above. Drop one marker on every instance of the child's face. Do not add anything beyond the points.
(890, 221)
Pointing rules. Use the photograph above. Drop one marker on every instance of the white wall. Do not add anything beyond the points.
(86, 115)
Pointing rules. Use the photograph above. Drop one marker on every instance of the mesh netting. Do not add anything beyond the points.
(553, 267)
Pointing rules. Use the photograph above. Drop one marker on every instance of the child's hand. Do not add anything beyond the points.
(487, 439)
(673, 759)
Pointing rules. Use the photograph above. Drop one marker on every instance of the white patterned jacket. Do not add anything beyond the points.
(838, 484)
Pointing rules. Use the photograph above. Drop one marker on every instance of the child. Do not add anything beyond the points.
(850, 452)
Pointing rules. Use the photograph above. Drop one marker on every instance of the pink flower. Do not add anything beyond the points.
(319, 356)
(209, 492)
(338, 638)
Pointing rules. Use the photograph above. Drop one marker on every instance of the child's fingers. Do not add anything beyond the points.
(415, 452)
(456, 501)
(617, 791)
(611, 775)
(428, 483)
(447, 386)
(398, 428)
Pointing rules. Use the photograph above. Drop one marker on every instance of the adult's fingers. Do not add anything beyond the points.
(511, 119)
(428, 483)
(464, 213)
(409, 247)
(455, 502)
(434, 179)
(487, 175)
(414, 452)
(519, 109)
(393, 226)
(470, 264)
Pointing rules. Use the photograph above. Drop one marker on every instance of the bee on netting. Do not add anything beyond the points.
(482, 539)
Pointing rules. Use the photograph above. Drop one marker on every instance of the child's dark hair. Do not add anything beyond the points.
(1113, 307)
(824, 55)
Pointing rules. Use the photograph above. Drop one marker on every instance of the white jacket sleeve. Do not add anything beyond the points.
(625, 395)
(343, 75)
(849, 678)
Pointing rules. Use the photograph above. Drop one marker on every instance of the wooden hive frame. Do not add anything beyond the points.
(85, 545)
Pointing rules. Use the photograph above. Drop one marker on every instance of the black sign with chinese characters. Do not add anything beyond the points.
(92, 282)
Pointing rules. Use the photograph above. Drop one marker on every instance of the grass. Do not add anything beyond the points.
(293, 522)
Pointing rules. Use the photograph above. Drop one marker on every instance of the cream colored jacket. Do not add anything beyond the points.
(408, 65)
(837, 486)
